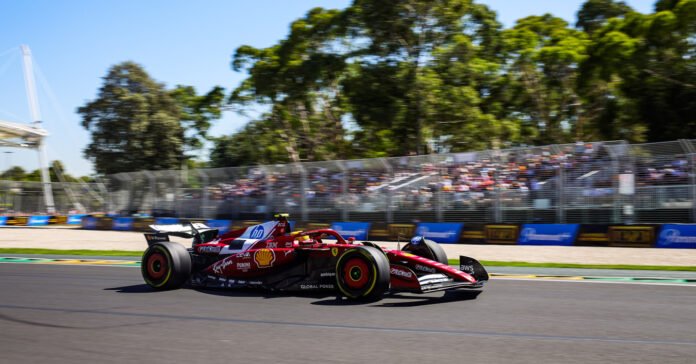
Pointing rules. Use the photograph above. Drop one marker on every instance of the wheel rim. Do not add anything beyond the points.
(356, 273)
(157, 265)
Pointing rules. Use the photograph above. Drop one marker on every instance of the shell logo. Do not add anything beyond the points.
(264, 258)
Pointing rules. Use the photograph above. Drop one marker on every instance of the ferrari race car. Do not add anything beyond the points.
(267, 256)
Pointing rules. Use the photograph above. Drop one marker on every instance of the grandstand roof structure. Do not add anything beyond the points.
(21, 135)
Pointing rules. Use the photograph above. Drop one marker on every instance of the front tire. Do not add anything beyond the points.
(166, 265)
(363, 274)
(427, 249)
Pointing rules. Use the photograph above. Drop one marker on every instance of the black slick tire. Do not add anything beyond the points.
(428, 249)
(166, 265)
(362, 274)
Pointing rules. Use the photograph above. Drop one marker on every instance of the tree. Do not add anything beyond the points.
(297, 79)
(136, 123)
(595, 13)
(651, 62)
(196, 113)
(540, 77)
(14, 174)
(416, 64)
(380, 66)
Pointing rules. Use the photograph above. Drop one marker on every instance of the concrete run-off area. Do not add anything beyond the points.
(66, 238)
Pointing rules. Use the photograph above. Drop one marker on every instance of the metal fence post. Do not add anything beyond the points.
(691, 154)
(388, 209)
(692, 180)
(152, 191)
(344, 190)
(205, 181)
(304, 187)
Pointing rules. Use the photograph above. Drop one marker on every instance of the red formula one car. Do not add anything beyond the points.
(266, 256)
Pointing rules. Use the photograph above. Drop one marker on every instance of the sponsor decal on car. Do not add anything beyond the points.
(264, 258)
(154, 238)
(243, 265)
(317, 286)
(334, 251)
(327, 274)
(209, 249)
(220, 266)
(424, 268)
(466, 268)
(400, 272)
(271, 244)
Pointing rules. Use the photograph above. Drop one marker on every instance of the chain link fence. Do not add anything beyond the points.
(598, 182)
(27, 198)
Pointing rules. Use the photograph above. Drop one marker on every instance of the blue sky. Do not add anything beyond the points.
(74, 42)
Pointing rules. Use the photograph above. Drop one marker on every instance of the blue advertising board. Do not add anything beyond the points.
(75, 219)
(3, 220)
(41, 220)
(166, 221)
(89, 222)
(440, 232)
(358, 230)
(223, 226)
(548, 234)
(677, 236)
(122, 224)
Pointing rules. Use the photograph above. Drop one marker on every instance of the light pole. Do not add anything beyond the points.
(8, 159)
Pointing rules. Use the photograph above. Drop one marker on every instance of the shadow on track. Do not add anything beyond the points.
(325, 298)
(136, 288)
(408, 300)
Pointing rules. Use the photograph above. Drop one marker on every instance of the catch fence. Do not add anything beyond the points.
(598, 182)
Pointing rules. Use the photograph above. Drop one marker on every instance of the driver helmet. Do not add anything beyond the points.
(416, 240)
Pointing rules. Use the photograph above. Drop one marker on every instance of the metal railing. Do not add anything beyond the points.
(598, 182)
(27, 198)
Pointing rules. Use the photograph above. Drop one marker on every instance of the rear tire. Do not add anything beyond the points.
(428, 249)
(363, 274)
(166, 265)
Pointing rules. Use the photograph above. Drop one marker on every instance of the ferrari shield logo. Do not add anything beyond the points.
(334, 251)
(264, 258)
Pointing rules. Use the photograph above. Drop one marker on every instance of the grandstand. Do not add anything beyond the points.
(597, 182)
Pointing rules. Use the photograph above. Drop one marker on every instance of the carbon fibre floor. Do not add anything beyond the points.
(57, 313)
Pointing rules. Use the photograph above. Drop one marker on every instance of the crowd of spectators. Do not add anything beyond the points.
(523, 177)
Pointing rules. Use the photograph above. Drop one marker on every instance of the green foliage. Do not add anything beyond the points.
(56, 171)
(595, 13)
(136, 123)
(14, 174)
(388, 78)
(647, 65)
(196, 112)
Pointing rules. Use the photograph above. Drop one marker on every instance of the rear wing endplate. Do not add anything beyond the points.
(200, 233)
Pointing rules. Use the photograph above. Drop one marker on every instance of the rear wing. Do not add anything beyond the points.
(200, 233)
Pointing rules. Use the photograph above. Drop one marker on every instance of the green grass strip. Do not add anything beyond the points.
(492, 263)
(85, 252)
(487, 263)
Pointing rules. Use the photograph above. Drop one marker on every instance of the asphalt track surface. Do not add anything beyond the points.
(51, 313)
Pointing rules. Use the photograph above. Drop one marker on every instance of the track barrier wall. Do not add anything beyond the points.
(608, 235)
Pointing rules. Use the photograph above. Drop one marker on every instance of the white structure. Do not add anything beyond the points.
(30, 135)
